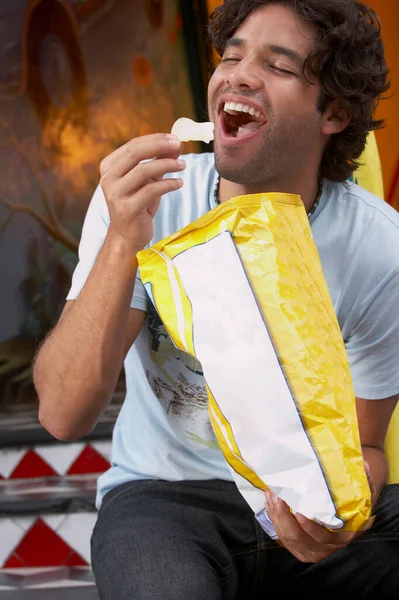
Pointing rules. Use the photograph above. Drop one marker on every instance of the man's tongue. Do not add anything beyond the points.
(248, 128)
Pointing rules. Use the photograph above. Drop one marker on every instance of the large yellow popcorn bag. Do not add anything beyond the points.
(242, 290)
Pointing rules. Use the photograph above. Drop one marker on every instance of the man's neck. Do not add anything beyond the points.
(307, 190)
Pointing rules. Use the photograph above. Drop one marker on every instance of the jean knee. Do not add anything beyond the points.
(152, 561)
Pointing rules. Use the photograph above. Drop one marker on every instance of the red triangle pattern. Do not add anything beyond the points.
(75, 560)
(32, 465)
(88, 461)
(14, 562)
(42, 547)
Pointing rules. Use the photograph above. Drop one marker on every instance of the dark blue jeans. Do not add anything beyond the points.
(199, 540)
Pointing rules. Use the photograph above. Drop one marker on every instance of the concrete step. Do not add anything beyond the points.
(62, 583)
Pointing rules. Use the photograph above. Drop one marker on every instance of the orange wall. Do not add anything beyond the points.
(213, 4)
(387, 138)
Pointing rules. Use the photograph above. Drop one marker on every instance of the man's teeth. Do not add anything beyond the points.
(232, 107)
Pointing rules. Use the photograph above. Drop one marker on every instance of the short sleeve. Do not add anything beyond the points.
(373, 346)
(94, 231)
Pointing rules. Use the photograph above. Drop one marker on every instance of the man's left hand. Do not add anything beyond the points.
(304, 538)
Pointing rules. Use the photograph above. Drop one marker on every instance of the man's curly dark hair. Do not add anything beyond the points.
(348, 61)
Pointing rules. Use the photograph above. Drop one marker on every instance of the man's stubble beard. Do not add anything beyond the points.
(251, 172)
(275, 161)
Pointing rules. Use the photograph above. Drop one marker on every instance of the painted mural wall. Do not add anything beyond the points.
(78, 78)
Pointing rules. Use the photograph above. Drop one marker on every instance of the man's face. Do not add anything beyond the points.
(267, 124)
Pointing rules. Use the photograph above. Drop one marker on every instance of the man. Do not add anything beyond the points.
(292, 102)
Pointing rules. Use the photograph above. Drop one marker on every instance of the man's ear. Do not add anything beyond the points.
(336, 116)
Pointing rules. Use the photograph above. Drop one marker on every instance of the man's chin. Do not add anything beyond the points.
(236, 173)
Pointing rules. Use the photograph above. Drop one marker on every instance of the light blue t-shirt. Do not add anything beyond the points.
(163, 429)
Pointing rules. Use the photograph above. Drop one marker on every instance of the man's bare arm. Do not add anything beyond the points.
(77, 367)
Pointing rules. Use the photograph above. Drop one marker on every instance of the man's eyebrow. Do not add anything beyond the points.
(235, 42)
(288, 52)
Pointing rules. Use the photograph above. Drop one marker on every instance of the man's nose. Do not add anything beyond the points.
(244, 75)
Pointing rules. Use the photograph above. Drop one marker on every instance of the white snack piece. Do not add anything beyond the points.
(188, 130)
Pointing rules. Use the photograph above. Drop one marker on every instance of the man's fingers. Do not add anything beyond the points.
(283, 520)
(155, 138)
(122, 160)
(133, 181)
(292, 536)
(167, 154)
(304, 538)
(150, 193)
(323, 536)
(153, 170)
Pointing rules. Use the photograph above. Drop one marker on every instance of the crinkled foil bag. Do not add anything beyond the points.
(242, 290)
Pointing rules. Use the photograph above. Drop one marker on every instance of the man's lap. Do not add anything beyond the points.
(199, 539)
(181, 527)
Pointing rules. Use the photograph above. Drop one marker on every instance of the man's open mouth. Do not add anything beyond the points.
(241, 119)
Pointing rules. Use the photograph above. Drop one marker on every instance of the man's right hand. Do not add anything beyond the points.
(133, 188)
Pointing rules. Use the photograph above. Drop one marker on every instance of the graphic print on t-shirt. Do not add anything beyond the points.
(179, 384)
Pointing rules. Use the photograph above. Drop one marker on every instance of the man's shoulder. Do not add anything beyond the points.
(360, 201)
(365, 229)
